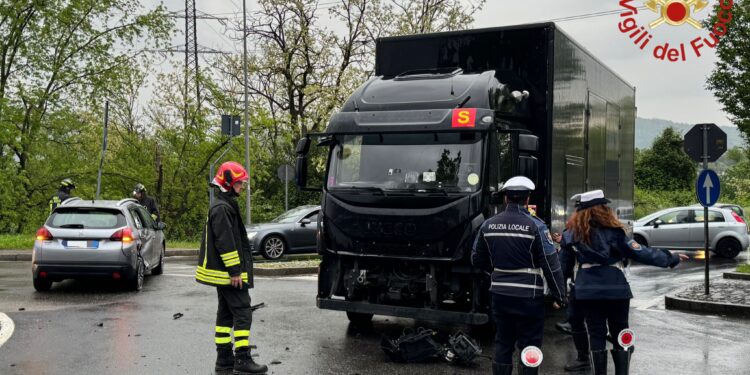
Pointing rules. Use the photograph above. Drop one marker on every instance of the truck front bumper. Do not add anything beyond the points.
(403, 312)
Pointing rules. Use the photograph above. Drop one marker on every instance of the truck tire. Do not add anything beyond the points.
(359, 319)
(728, 248)
(42, 285)
(642, 241)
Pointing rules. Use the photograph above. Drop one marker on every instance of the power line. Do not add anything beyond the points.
(589, 15)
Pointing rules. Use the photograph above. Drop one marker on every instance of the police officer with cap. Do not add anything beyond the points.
(517, 250)
(601, 249)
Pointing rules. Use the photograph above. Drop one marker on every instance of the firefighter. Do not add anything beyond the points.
(62, 194)
(517, 250)
(602, 250)
(225, 262)
(139, 193)
(575, 320)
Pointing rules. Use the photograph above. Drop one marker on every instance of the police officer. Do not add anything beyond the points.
(602, 249)
(517, 249)
(225, 262)
(139, 193)
(62, 194)
(574, 313)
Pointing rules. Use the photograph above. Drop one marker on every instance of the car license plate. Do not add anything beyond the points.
(76, 244)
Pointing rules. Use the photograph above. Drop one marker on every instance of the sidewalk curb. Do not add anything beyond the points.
(26, 256)
(737, 276)
(672, 302)
(6, 328)
(284, 271)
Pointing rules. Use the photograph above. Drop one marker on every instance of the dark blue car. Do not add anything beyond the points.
(293, 232)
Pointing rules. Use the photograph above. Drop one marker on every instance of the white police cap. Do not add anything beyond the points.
(592, 198)
(519, 183)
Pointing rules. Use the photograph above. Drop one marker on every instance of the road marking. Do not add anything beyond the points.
(179, 275)
(6, 328)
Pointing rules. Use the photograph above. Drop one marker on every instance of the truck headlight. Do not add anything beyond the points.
(251, 235)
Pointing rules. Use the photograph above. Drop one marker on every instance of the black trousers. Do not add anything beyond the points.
(603, 313)
(519, 322)
(233, 312)
(574, 314)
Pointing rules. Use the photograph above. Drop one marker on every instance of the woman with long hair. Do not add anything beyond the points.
(602, 249)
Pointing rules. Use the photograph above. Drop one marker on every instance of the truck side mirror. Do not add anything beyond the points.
(303, 148)
(528, 143)
(528, 166)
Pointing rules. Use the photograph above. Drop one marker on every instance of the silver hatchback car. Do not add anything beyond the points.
(101, 239)
(682, 228)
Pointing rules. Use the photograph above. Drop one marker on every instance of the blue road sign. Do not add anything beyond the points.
(707, 188)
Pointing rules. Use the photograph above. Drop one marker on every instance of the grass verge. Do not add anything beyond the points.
(16, 241)
(288, 264)
(191, 245)
(743, 268)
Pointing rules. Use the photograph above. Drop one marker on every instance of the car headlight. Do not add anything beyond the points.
(251, 235)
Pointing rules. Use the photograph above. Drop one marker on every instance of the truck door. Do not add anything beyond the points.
(595, 142)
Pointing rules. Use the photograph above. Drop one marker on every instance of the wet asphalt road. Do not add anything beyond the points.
(95, 328)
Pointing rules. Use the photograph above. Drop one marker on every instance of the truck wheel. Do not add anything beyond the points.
(728, 248)
(42, 285)
(359, 319)
(273, 247)
(135, 282)
(642, 241)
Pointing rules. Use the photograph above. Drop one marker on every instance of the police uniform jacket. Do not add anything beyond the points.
(600, 265)
(517, 249)
(150, 204)
(225, 250)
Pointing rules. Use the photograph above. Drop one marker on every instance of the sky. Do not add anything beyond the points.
(668, 90)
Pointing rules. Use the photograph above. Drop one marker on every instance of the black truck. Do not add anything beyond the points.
(416, 157)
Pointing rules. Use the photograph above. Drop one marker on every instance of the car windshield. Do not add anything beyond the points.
(290, 216)
(448, 162)
(83, 218)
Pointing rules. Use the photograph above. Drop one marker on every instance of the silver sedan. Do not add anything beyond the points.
(682, 228)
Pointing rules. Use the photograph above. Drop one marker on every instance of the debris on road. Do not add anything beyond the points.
(258, 306)
(177, 316)
(100, 324)
(21, 309)
(275, 362)
(424, 346)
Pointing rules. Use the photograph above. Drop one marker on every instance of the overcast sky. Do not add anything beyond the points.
(668, 90)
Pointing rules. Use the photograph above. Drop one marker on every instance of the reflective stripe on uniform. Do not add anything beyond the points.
(518, 235)
(231, 258)
(241, 333)
(241, 344)
(215, 277)
(223, 340)
(516, 285)
(533, 271)
(220, 329)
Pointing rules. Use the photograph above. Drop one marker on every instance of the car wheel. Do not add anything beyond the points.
(273, 247)
(642, 241)
(728, 248)
(135, 283)
(158, 270)
(359, 319)
(42, 285)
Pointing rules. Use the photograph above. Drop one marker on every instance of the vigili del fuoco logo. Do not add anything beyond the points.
(641, 24)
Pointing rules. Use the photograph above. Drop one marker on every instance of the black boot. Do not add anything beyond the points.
(224, 359)
(581, 363)
(244, 364)
(524, 370)
(599, 362)
(501, 369)
(621, 358)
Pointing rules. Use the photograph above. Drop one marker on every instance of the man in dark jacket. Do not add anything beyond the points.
(62, 194)
(139, 193)
(516, 249)
(225, 262)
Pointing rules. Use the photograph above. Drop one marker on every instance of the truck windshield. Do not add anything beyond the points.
(424, 162)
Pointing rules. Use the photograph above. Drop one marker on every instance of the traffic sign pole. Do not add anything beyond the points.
(705, 208)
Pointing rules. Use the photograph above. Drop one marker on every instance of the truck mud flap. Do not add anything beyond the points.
(404, 312)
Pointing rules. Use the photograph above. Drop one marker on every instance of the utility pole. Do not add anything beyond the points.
(191, 58)
(248, 214)
(104, 149)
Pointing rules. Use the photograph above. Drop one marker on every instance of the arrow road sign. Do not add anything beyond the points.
(707, 188)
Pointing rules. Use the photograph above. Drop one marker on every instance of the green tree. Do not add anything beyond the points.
(665, 166)
(730, 79)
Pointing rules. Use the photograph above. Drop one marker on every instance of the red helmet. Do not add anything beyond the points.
(230, 173)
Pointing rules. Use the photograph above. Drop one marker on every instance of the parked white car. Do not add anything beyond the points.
(682, 228)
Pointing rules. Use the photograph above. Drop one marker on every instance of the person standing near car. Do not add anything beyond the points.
(602, 250)
(517, 250)
(62, 194)
(139, 193)
(225, 262)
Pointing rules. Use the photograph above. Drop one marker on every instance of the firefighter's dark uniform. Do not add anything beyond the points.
(602, 290)
(517, 249)
(57, 199)
(151, 206)
(225, 251)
